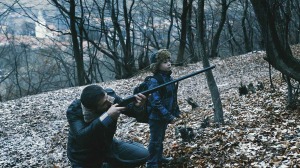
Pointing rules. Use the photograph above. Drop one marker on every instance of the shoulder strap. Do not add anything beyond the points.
(147, 78)
(160, 81)
(159, 78)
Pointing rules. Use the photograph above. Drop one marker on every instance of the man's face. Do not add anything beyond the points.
(104, 104)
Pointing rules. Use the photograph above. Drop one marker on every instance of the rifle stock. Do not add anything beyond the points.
(130, 99)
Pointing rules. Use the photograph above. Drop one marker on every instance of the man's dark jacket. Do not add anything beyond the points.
(88, 142)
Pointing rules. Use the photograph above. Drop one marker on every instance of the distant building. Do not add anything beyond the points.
(40, 29)
(3, 29)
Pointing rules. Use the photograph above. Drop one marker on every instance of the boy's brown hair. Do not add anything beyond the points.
(159, 57)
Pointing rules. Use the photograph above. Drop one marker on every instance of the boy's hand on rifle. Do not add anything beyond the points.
(140, 99)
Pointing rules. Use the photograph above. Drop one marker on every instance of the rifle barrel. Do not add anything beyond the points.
(147, 92)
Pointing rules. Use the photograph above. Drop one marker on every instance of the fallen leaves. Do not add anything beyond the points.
(258, 132)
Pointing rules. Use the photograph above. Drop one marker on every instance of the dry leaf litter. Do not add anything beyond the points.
(259, 130)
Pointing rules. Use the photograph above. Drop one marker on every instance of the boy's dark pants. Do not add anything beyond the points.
(157, 135)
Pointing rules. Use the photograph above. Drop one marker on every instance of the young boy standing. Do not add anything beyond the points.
(163, 107)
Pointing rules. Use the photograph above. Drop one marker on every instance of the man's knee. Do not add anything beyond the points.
(129, 154)
(137, 150)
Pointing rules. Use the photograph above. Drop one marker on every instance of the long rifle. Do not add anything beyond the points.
(130, 99)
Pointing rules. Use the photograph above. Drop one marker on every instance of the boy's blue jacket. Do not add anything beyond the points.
(163, 107)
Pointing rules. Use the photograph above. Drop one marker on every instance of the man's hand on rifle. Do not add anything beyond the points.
(114, 111)
(140, 99)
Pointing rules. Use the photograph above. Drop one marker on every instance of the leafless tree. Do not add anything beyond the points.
(115, 35)
(190, 34)
(5, 70)
(214, 91)
(231, 31)
(245, 27)
(274, 17)
(215, 40)
(186, 7)
(76, 26)
(295, 22)
(278, 50)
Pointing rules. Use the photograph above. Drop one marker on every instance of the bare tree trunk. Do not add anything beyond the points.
(186, 7)
(76, 50)
(153, 42)
(236, 43)
(290, 91)
(270, 76)
(129, 66)
(296, 6)
(279, 55)
(244, 27)
(143, 58)
(16, 64)
(190, 36)
(29, 82)
(216, 37)
(129, 57)
(171, 22)
(214, 91)
(78, 55)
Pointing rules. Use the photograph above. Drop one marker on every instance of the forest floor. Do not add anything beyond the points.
(259, 129)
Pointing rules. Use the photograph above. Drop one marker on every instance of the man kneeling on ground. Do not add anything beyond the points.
(92, 120)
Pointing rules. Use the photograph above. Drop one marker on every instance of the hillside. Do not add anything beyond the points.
(259, 131)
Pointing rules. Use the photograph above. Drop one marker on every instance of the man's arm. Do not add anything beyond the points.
(82, 130)
(133, 108)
